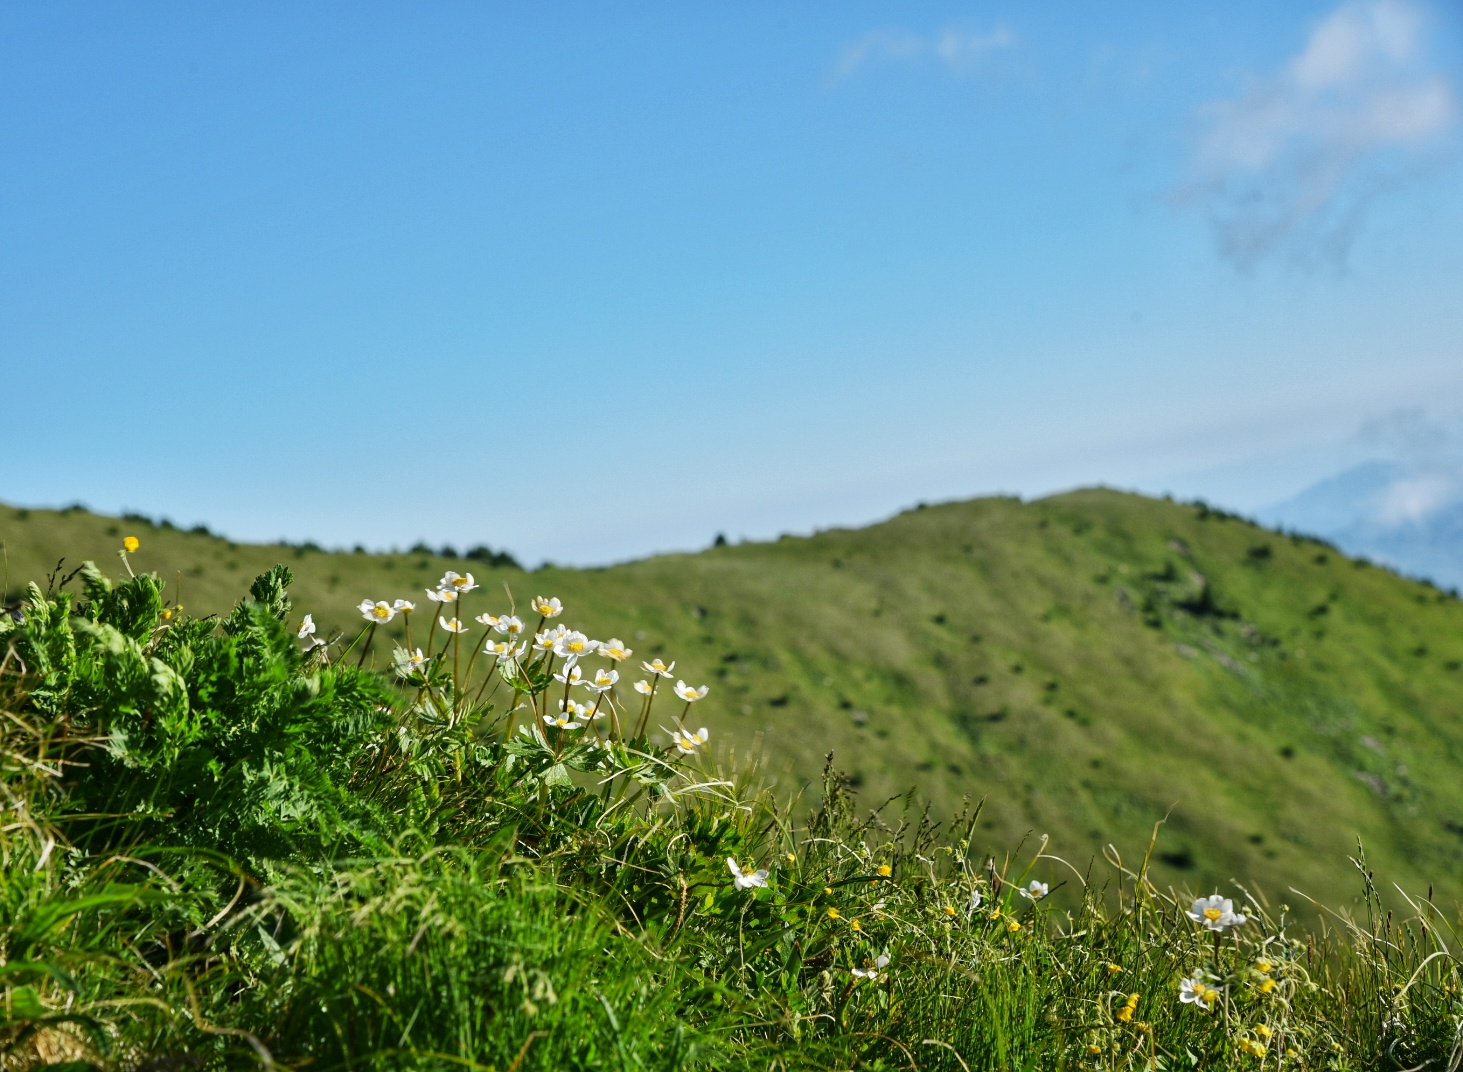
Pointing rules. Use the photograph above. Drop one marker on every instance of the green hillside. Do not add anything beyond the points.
(1087, 663)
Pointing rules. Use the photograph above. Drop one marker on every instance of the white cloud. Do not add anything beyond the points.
(1295, 160)
(1414, 499)
(957, 50)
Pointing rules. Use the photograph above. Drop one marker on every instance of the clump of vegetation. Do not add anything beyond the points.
(230, 842)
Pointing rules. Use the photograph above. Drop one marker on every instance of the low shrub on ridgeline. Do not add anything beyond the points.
(234, 843)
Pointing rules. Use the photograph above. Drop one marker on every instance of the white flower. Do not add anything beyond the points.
(569, 716)
(604, 680)
(549, 608)
(658, 667)
(408, 662)
(546, 640)
(1033, 890)
(452, 625)
(615, 649)
(1216, 913)
(307, 628)
(456, 582)
(573, 644)
(571, 676)
(402, 606)
(442, 595)
(742, 879)
(504, 650)
(872, 972)
(975, 900)
(690, 695)
(376, 613)
(1195, 990)
(503, 623)
(644, 688)
(686, 742)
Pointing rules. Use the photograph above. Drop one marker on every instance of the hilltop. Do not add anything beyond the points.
(1087, 664)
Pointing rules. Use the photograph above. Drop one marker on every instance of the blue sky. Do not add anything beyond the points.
(590, 281)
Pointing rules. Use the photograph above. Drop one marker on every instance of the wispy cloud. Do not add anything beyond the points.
(1295, 160)
(957, 50)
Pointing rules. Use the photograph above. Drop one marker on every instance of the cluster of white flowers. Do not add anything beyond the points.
(1215, 914)
(557, 647)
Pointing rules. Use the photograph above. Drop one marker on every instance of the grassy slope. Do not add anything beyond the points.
(1057, 657)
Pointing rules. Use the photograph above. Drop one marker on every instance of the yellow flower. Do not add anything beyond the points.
(1267, 986)
(1251, 1047)
(856, 925)
(167, 614)
(1263, 1030)
(949, 911)
(1264, 966)
(1014, 926)
(827, 891)
(1113, 969)
(792, 858)
(884, 871)
(996, 914)
(131, 543)
(1129, 1007)
(1093, 1048)
(834, 914)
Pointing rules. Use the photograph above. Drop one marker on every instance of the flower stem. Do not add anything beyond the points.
(371, 635)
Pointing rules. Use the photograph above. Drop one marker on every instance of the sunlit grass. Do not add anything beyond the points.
(234, 844)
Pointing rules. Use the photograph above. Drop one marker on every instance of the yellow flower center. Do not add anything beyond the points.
(1212, 913)
(381, 610)
(885, 870)
(833, 914)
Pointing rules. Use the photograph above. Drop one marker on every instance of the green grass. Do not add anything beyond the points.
(222, 849)
(1088, 664)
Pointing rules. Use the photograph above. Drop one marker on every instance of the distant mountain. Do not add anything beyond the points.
(1409, 517)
